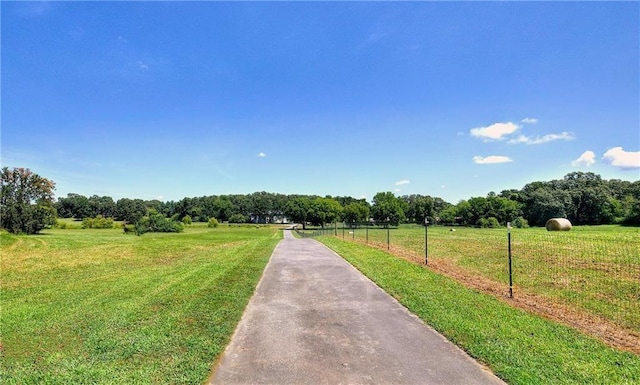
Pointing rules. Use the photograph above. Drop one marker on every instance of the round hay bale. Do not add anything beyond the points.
(558, 224)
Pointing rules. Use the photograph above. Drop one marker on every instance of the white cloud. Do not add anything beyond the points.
(401, 182)
(262, 155)
(443, 186)
(529, 121)
(159, 198)
(143, 66)
(495, 131)
(627, 160)
(587, 159)
(397, 190)
(493, 159)
(542, 139)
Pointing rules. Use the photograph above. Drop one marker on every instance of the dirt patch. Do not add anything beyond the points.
(598, 327)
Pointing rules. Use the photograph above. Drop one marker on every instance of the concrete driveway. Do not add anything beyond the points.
(315, 319)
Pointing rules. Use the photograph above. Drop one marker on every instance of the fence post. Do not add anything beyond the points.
(388, 243)
(510, 268)
(426, 241)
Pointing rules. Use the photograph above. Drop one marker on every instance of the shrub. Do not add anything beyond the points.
(128, 229)
(238, 218)
(490, 222)
(213, 222)
(99, 222)
(493, 222)
(155, 222)
(187, 220)
(520, 223)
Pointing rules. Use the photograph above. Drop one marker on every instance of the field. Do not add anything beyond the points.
(98, 306)
(588, 277)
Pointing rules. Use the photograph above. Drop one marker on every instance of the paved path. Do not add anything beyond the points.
(315, 319)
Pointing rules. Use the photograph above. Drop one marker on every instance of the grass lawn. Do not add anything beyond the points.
(98, 306)
(519, 347)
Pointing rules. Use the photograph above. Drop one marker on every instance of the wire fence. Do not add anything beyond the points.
(592, 270)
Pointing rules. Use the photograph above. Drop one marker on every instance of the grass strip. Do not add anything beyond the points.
(519, 347)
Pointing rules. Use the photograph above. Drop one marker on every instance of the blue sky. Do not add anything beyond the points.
(166, 100)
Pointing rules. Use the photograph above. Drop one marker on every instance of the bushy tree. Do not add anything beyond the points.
(418, 207)
(299, 209)
(130, 210)
(26, 201)
(355, 212)
(156, 222)
(388, 209)
(74, 206)
(324, 210)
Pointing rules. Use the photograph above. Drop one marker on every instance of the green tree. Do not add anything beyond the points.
(388, 209)
(355, 212)
(299, 209)
(419, 207)
(545, 203)
(104, 206)
(74, 206)
(130, 210)
(26, 201)
(324, 210)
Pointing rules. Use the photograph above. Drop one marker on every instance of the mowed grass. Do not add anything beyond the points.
(519, 347)
(98, 306)
(594, 269)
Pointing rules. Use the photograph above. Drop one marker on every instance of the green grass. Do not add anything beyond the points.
(593, 269)
(98, 306)
(519, 347)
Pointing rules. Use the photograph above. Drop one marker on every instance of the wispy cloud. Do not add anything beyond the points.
(376, 37)
(143, 66)
(493, 159)
(35, 8)
(529, 121)
(401, 182)
(588, 158)
(542, 139)
(397, 190)
(496, 131)
(262, 155)
(626, 160)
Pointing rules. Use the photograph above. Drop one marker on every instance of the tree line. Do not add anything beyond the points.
(28, 205)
